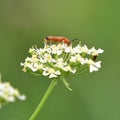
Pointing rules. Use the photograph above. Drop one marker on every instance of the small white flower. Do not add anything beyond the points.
(31, 66)
(42, 60)
(38, 66)
(61, 46)
(73, 59)
(80, 59)
(60, 63)
(61, 60)
(27, 65)
(68, 49)
(11, 98)
(28, 59)
(94, 66)
(33, 59)
(95, 52)
(22, 97)
(84, 49)
(68, 68)
(56, 49)
(11, 90)
(35, 66)
(1, 86)
(51, 72)
(1, 93)
(48, 58)
(22, 64)
(76, 49)
(41, 51)
(31, 50)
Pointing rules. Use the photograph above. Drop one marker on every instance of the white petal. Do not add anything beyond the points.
(85, 49)
(53, 60)
(68, 49)
(11, 90)
(11, 99)
(42, 60)
(100, 50)
(45, 73)
(35, 65)
(57, 72)
(34, 69)
(22, 64)
(65, 68)
(98, 64)
(84, 61)
(59, 52)
(52, 76)
(22, 97)
(73, 71)
(73, 59)
(93, 68)
(2, 93)
(2, 86)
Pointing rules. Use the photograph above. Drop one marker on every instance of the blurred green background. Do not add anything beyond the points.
(24, 23)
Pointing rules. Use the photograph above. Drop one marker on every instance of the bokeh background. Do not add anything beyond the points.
(24, 23)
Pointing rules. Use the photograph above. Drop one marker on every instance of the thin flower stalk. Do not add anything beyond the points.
(43, 100)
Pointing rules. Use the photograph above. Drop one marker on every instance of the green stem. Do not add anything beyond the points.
(44, 98)
(65, 83)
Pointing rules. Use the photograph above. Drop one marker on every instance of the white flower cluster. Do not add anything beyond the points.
(8, 93)
(61, 59)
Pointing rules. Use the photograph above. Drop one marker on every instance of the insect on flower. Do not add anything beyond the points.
(58, 39)
(94, 57)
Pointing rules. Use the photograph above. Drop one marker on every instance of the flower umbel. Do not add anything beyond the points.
(59, 59)
(8, 93)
